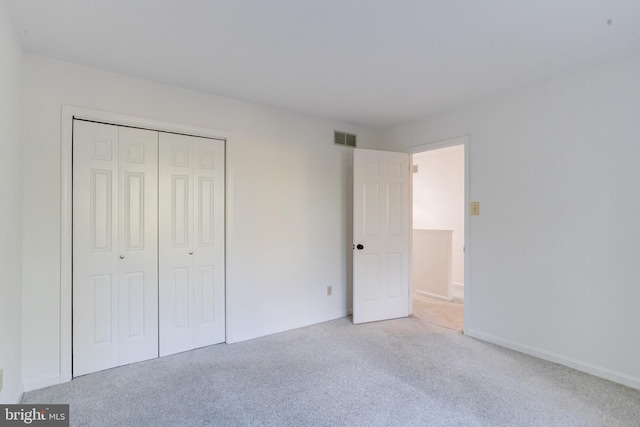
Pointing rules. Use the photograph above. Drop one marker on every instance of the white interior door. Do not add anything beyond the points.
(381, 235)
(191, 255)
(114, 246)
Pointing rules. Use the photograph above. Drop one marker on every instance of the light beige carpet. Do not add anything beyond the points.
(402, 372)
(442, 313)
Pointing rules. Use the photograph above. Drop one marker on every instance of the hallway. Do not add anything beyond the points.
(448, 314)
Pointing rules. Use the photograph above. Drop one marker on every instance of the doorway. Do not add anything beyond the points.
(438, 232)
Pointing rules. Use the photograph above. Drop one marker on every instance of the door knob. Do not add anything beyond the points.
(190, 252)
(360, 247)
(121, 256)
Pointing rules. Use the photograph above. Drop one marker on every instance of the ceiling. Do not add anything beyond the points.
(375, 63)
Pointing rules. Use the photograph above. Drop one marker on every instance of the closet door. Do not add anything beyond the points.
(208, 242)
(191, 251)
(114, 246)
(138, 245)
(95, 247)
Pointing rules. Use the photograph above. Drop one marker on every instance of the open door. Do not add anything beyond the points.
(380, 235)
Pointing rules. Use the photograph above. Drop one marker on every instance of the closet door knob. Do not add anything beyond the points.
(190, 252)
(121, 256)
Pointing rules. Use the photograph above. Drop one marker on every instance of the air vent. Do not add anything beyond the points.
(343, 138)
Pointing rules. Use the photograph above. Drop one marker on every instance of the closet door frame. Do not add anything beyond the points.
(69, 113)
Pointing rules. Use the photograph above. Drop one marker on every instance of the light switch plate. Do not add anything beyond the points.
(475, 208)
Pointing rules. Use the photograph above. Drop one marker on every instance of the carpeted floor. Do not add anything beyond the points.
(449, 314)
(402, 372)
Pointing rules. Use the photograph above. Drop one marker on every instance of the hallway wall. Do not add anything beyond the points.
(438, 198)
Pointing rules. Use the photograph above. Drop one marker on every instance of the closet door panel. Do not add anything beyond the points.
(176, 319)
(95, 257)
(208, 251)
(138, 245)
(192, 303)
(115, 271)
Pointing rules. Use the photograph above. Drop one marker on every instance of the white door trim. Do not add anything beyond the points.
(66, 208)
(460, 140)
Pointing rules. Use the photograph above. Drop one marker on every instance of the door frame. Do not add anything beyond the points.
(69, 113)
(435, 145)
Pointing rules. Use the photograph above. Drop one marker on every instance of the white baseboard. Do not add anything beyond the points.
(430, 295)
(10, 397)
(43, 382)
(14, 398)
(598, 371)
(457, 290)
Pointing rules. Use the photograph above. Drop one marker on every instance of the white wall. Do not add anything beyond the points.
(10, 210)
(554, 265)
(288, 190)
(438, 198)
(431, 263)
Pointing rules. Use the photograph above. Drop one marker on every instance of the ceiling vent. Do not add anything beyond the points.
(343, 138)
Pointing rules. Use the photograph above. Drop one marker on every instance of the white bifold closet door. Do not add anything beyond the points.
(115, 270)
(191, 249)
(148, 244)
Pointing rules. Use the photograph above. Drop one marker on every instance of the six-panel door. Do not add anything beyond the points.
(381, 235)
(114, 246)
(148, 244)
(191, 242)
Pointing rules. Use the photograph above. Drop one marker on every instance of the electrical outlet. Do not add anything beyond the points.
(329, 290)
(475, 208)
